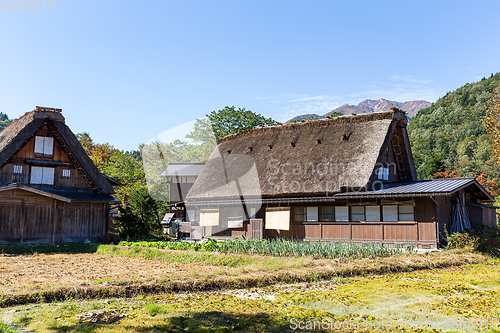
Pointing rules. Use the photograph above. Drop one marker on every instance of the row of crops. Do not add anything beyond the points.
(282, 247)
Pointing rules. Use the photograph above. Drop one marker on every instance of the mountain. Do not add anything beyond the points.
(306, 116)
(450, 133)
(370, 106)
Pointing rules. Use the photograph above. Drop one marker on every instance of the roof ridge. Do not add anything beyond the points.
(395, 113)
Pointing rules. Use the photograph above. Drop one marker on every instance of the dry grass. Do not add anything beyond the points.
(56, 277)
(45, 271)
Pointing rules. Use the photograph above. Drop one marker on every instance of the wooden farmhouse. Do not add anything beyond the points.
(50, 190)
(349, 178)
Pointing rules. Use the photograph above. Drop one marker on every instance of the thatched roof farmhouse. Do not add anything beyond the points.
(50, 190)
(349, 178)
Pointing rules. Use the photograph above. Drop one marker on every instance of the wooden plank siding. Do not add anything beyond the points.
(74, 182)
(421, 232)
(28, 217)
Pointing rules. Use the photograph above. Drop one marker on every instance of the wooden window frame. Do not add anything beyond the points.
(44, 138)
(18, 169)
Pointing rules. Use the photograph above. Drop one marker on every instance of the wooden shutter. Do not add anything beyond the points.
(256, 228)
(36, 175)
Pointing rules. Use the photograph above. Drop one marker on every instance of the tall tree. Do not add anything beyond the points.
(231, 120)
(4, 120)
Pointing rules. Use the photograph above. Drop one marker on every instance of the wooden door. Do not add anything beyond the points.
(256, 228)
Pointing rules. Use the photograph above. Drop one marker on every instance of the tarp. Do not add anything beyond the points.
(209, 217)
(278, 218)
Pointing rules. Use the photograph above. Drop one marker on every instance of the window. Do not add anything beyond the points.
(329, 214)
(390, 213)
(66, 173)
(44, 145)
(18, 169)
(357, 213)
(193, 215)
(312, 214)
(406, 213)
(41, 175)
(253, 211)
(383, 173)
(372, 213)
(341, 214)
(300, 214)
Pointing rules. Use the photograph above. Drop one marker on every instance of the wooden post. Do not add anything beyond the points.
(54, 222)
(91, 220)
(21, 221)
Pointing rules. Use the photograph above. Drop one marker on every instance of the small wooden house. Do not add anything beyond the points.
(50, 190)
(349, 178)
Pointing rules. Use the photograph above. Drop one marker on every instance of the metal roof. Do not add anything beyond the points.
(182, 169)
(83, 196)
(43, 162)
(421, 188)
(428, 187)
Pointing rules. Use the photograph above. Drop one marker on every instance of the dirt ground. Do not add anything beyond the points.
(39, 271)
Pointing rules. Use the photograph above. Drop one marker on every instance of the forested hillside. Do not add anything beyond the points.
(4, 120)
(450, 133)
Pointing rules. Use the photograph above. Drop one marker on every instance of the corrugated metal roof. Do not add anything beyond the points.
(421, 187)
(183, 169)
(43, 162)
(83, 196)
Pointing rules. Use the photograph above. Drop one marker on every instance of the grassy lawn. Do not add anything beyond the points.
(470, 291)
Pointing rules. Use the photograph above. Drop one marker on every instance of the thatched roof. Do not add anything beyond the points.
(307, 158)
(20, 131)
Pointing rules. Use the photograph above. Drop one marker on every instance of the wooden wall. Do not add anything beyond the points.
(421, 232)
(74, 182)
(28, 217)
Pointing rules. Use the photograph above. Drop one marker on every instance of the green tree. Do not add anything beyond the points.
(4, 120)
(231, 120)
(141, 215)
(195, 147)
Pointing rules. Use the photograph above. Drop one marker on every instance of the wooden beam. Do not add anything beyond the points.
(33, 190)
(21, 221)
(54, 226)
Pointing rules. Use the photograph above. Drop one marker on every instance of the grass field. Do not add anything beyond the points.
(151, 290)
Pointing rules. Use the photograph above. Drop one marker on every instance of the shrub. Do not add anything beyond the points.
(109, 238)
(483, 239)
(463, 240)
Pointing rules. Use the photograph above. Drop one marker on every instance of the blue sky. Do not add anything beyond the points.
(125, 71)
